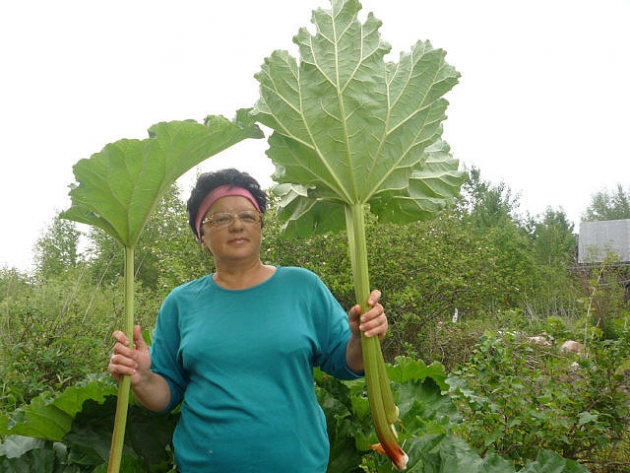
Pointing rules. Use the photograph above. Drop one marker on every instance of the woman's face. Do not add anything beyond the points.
(237, 241)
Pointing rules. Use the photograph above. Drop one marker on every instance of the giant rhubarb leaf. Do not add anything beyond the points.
(350, 132)
(120, 186)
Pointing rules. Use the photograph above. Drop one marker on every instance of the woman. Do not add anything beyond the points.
(237, 348)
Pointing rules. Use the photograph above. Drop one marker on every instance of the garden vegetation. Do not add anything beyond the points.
(475, 394)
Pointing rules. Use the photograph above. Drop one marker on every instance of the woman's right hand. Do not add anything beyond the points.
(133, 360)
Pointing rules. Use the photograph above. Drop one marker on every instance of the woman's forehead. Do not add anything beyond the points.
(231, 203)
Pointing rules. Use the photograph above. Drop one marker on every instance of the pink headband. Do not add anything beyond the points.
(216, 194)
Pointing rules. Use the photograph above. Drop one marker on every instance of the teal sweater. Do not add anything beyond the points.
(241, 362)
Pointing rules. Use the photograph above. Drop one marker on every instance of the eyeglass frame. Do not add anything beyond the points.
(233, 218)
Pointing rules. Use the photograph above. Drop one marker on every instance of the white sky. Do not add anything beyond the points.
(543, 103)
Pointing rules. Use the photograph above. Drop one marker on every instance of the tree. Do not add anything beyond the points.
(57, 250)
(553, 239)
(553, 251)
(12, 281)
(613, 205)
(173, 253)
(485, 204)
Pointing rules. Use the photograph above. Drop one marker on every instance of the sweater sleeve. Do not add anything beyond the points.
(165, 359)
(333, 333)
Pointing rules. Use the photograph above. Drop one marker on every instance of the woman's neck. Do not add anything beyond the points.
(242, 276)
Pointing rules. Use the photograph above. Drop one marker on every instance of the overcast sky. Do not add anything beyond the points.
(543, 104)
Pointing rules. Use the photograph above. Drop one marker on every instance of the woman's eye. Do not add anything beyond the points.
(222, 219)
(247, 218)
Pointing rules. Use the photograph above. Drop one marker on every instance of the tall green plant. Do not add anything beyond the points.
(119, 188)
(351, 132)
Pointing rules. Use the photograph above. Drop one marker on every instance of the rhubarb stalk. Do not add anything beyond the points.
(352, 133)
(382, 406)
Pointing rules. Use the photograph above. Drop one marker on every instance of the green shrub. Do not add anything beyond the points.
(518, 397)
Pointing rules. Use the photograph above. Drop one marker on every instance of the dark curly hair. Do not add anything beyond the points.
(208, 181)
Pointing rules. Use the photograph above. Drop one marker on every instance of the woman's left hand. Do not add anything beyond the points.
(373, 322)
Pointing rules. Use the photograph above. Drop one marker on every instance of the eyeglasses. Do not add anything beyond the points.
(224, 219)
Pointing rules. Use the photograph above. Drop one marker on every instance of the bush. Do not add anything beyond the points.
(52, 334)
(518, 397)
